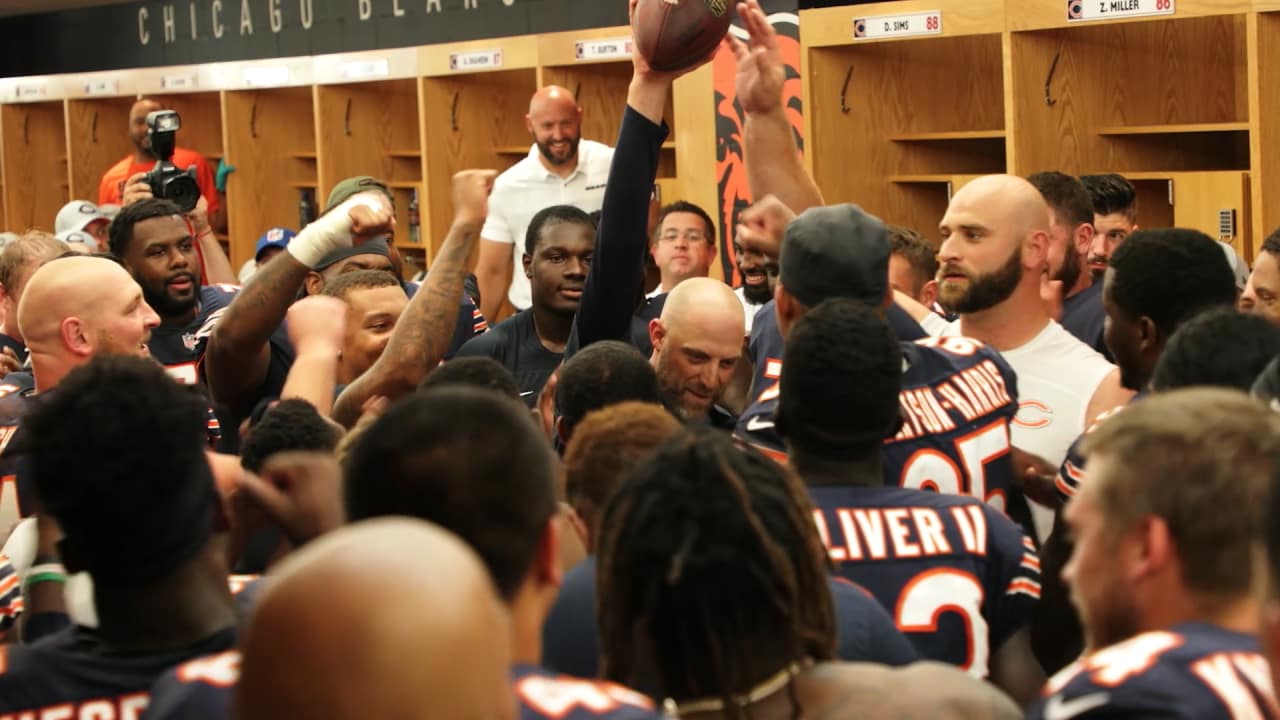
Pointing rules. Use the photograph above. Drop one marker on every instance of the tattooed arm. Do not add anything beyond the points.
(424, 332)
(238, 356)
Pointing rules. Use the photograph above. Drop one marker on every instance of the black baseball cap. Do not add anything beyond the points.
(376, 246)
(835, 251)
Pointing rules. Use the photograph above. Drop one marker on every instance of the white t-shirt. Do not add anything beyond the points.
(519, 193)
(1057, 378)
(749, 309)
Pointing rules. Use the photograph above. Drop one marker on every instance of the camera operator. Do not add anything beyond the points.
(112, 188)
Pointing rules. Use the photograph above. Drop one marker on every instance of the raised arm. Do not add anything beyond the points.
(215, 265)
(317, 325)
(239, 356)
(616, 278)
(773, 161)
(425, 330)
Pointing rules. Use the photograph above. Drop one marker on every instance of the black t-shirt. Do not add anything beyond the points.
(514, 344)
(1083, 316)
(71, 670)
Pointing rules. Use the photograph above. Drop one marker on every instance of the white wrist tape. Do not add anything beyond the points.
(331, 230)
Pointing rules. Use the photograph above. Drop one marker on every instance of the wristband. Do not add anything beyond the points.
(30, 580)
(46, 572)
(330, 231)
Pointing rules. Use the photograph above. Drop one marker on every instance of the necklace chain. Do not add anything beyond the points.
(769, 687)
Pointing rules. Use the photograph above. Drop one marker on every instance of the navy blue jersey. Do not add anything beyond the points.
(958, 399)
(10, 596)
(1071, 474)
(17, 497)
(544, 695)
(571, 642)
(7, 341)
(764, 345)
(70, 674)
(180, 349)
(199, 689)
(1190, 671)
(181, 352)
(958, 576)
(515, 345)
(1083, 317)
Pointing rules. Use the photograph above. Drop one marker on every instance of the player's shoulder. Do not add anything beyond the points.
(199, 688)
(37, 661)
(1180, 672)
(951, 352)
(16, 390)
(891, 496)
(543, 694)
(491, 343)
(221, 294)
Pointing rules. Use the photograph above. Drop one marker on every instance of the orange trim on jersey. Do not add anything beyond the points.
(1063, 487)
(775, 455)
(1023, 585)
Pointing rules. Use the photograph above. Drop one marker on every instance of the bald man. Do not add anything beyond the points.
(111, 188)
(80, 307)
(447, 653)
(696, 346)
(561, 169)
(994, 254)
(72, 310)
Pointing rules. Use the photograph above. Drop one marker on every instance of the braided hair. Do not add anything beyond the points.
(708, 556)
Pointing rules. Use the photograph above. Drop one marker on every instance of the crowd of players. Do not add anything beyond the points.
(1030, 471)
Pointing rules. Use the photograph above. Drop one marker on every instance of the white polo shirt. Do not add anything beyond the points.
(528, 187)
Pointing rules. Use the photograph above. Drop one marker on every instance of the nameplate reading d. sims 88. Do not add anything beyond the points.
(890, 26)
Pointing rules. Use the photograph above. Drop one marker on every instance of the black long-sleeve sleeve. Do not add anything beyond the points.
(615, 281)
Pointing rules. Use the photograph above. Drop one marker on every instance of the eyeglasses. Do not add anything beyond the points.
(690, 235)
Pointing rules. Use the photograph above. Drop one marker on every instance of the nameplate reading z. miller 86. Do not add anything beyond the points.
(891, 26)
(1078, 10)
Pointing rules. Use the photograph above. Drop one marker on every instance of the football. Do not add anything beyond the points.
(675, 34)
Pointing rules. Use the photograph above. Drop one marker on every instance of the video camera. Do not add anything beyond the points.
(166, 180)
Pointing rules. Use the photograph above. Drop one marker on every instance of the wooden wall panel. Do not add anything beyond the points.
(470, 121)
(35, 164)
(271, 141)
(97, 138)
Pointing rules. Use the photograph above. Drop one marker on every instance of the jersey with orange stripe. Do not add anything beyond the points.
(958, 576)
(958, 399)
(1194, 670)
(16, 495)
(70, 674)
(10, 596)
(544, 695)
(199, 689)
(1071, 474)
(181, 349)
